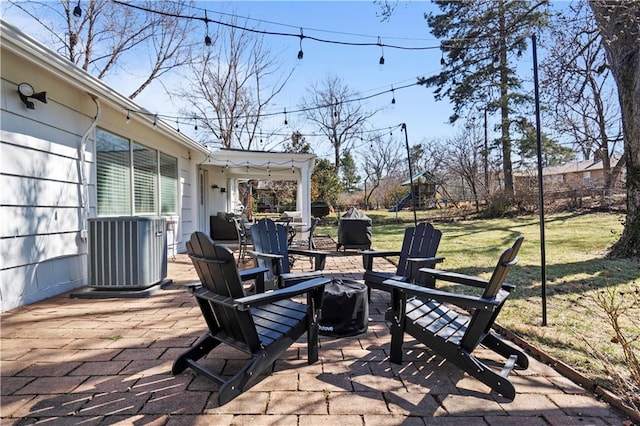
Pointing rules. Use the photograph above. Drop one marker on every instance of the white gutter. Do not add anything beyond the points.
(82, 150)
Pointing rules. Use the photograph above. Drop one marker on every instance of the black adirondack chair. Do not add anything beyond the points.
(263, 325)
(271, 250)
(419, 248)
(431, 317)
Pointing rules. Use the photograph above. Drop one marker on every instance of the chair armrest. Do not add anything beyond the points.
(245, 303)
(275, 260)
(455, 277)
(204, 293)
(461, 300)
(193, 285)
(368, 255)
(415, 263)
(256, 254)
(319, 257)
(253, 273)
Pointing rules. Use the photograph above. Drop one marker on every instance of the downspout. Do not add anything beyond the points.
(82, 149)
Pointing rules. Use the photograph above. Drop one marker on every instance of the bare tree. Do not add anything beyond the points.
(227, 87)
(463, 160)
(108, 33)
(581, 89)
(381, 160)
(334, 108)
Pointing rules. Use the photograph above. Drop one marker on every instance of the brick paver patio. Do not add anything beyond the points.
(108, 361)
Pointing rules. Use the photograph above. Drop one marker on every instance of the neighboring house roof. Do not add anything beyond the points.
(569, 168)
(33, 51)
(578, 167)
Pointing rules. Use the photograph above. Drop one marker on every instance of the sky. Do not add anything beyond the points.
(357, 66)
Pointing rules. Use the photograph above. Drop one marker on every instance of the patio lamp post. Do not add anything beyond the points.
(403, 128)
(543, 262)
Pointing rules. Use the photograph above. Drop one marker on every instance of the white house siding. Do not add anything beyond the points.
(43, 247)
(40, 203)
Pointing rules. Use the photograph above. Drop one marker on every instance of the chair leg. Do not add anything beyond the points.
(497, 345)
(396, 316)
(314, 301)
(243, 378)
(205, 345)
(476, 368)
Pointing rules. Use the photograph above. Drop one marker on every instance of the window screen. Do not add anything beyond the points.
(168, 185)
(145, 179)
(113, 157)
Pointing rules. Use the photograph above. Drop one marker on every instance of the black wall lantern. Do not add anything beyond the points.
(26, 92)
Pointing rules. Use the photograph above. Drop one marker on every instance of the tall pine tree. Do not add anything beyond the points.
(481, 42)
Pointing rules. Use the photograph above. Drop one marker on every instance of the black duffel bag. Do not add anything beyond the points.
(345, 309)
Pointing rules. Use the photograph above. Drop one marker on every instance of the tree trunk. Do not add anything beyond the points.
(507, 167)
(619, 24)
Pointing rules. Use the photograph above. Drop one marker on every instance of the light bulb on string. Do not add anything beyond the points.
(269, 168)
(442, 61)
(77, 11)
(155, 120)
(293, 170)
(393, 92)
(195, 123)
(128, 116)
(381, 60)
(285, 117)
(207, 39)
(300, 52)
(177, 126)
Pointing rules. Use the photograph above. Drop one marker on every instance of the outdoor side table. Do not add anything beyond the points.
(345, 308)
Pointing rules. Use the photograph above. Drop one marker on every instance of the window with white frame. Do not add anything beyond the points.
(133, 179)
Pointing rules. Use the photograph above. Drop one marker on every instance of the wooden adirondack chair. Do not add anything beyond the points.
(272, 251)
(430, 317)
(262, 325)
(418, 250)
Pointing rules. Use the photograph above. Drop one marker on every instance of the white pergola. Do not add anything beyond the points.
(228, 167)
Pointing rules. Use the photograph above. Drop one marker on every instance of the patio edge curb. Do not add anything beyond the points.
(572, 374)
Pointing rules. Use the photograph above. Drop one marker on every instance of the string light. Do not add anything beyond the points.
(77, 11)
(300, 52)
(177, 126)
(128, 116)
(393, 92)
(381, 61)
(285, 117)
(269, 168)
(293, 170)
(207, 39)
(274, 33)
(187, 120)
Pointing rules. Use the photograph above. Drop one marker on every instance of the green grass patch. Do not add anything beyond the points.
(576, 269)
